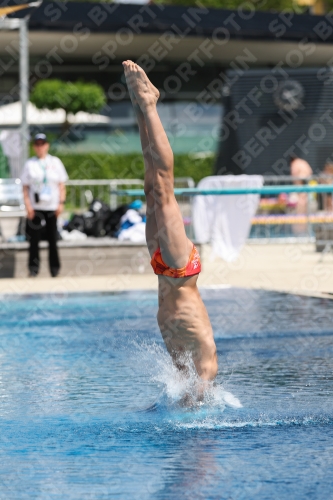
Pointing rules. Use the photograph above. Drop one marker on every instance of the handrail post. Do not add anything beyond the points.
(308, 214)
(24, 88)
(113, 197)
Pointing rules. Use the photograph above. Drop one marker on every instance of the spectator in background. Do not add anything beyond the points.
(326, 200)
(44, 191)
(300, 168)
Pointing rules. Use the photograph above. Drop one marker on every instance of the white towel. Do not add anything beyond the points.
(135, 233)
(74, 235)
(225, 220)
(131, 216)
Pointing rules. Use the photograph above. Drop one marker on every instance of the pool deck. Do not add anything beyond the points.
(292, 268)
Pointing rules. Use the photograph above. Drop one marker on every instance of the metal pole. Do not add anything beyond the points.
(308, 223)
(24, 88)
(226, 191)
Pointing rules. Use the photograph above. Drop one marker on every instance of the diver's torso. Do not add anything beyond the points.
(182, 312)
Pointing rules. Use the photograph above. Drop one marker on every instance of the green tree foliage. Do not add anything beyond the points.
(4, 166)
(130, 166)
(273, 5)
(229, 4)
(72, 97)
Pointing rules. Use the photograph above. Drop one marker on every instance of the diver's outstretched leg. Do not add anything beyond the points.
(174, 244)
(151, 225)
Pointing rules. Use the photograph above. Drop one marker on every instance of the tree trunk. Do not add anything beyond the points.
(65, 128)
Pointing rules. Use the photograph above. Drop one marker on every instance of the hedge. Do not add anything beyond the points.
(103, 166)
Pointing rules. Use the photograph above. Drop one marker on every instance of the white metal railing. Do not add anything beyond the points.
(295, 216)
(79, 191)
(292, 208)
(278, 216)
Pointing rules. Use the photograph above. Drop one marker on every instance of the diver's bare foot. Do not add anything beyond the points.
(141, 90)
(131, 93)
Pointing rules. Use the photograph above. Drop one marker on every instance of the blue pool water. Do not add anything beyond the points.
(89, 400)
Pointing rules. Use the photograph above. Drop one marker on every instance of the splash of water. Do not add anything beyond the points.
(180, 388)
(253, 421)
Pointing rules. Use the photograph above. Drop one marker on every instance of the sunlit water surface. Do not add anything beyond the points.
(89, 400)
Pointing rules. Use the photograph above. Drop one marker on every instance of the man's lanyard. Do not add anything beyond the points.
(42, 164)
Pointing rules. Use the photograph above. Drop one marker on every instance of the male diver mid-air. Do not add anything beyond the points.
(182, 316)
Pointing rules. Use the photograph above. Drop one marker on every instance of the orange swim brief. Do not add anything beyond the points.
(192, 267)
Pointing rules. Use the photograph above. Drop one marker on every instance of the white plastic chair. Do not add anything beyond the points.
(11, 199)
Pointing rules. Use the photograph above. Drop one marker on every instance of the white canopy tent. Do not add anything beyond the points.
(11, 115)
(11, 138)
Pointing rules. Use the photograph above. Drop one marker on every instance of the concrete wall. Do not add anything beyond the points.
(78, 260)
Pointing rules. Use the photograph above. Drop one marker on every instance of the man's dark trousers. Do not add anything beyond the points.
(43, 221)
